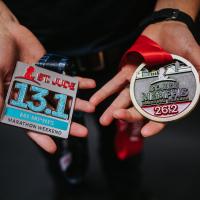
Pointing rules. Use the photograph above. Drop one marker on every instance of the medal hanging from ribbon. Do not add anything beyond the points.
(163, 88)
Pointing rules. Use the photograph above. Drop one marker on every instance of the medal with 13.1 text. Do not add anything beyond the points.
(40, 100)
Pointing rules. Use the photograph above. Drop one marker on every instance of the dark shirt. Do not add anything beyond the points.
(81, 25)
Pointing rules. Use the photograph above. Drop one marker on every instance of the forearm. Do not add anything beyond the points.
(191, 7)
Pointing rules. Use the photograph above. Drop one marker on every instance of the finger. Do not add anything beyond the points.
(122, 101)
(152, 128)
(114, 85)
(78, 130)
(1, 93)
(192, 55)
(30, 49)
(86, 83)
(44, 141)
(84, 106)
(47, 143)
(128, 115)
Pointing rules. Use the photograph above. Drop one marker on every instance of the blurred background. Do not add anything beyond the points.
(170, 165)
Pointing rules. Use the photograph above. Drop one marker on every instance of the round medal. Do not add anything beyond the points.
(166, 93)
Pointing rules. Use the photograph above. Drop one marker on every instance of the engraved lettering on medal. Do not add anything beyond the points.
(165, 92)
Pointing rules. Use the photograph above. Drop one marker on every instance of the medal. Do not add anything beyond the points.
(40, 100)
(166, 93)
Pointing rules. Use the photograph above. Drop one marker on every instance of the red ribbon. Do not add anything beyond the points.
(150, 52)
(128, 141)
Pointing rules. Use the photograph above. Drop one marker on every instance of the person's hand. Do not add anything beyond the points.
(17, 43)
(175, 38)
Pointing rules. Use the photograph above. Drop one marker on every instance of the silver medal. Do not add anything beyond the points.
(166, 93)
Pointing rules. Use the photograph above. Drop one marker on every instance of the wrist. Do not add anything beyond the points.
(191, 8)
(159, 30)
(170, 15)
(165, 26)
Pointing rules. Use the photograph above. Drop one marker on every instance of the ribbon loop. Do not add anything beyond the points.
(151, 53)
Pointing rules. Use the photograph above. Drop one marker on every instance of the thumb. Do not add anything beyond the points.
(30, 48)
(1, 93)
(44, 141)
(193, 55)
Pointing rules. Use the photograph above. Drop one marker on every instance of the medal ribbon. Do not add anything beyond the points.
(128, 140)
(146, 50)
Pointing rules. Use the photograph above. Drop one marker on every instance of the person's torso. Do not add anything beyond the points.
(80, 24)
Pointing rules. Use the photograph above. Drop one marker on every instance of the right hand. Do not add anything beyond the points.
(181, 43)
(17, 43)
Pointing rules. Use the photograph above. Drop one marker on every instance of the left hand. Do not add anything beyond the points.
(17, 43)
(173, 37)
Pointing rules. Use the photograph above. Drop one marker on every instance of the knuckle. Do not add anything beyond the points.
(126, 93)
(127, 69)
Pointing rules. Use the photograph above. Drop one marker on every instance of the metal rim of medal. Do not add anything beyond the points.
(179, 115)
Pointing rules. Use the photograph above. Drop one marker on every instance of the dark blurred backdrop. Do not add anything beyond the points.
(171, 165)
